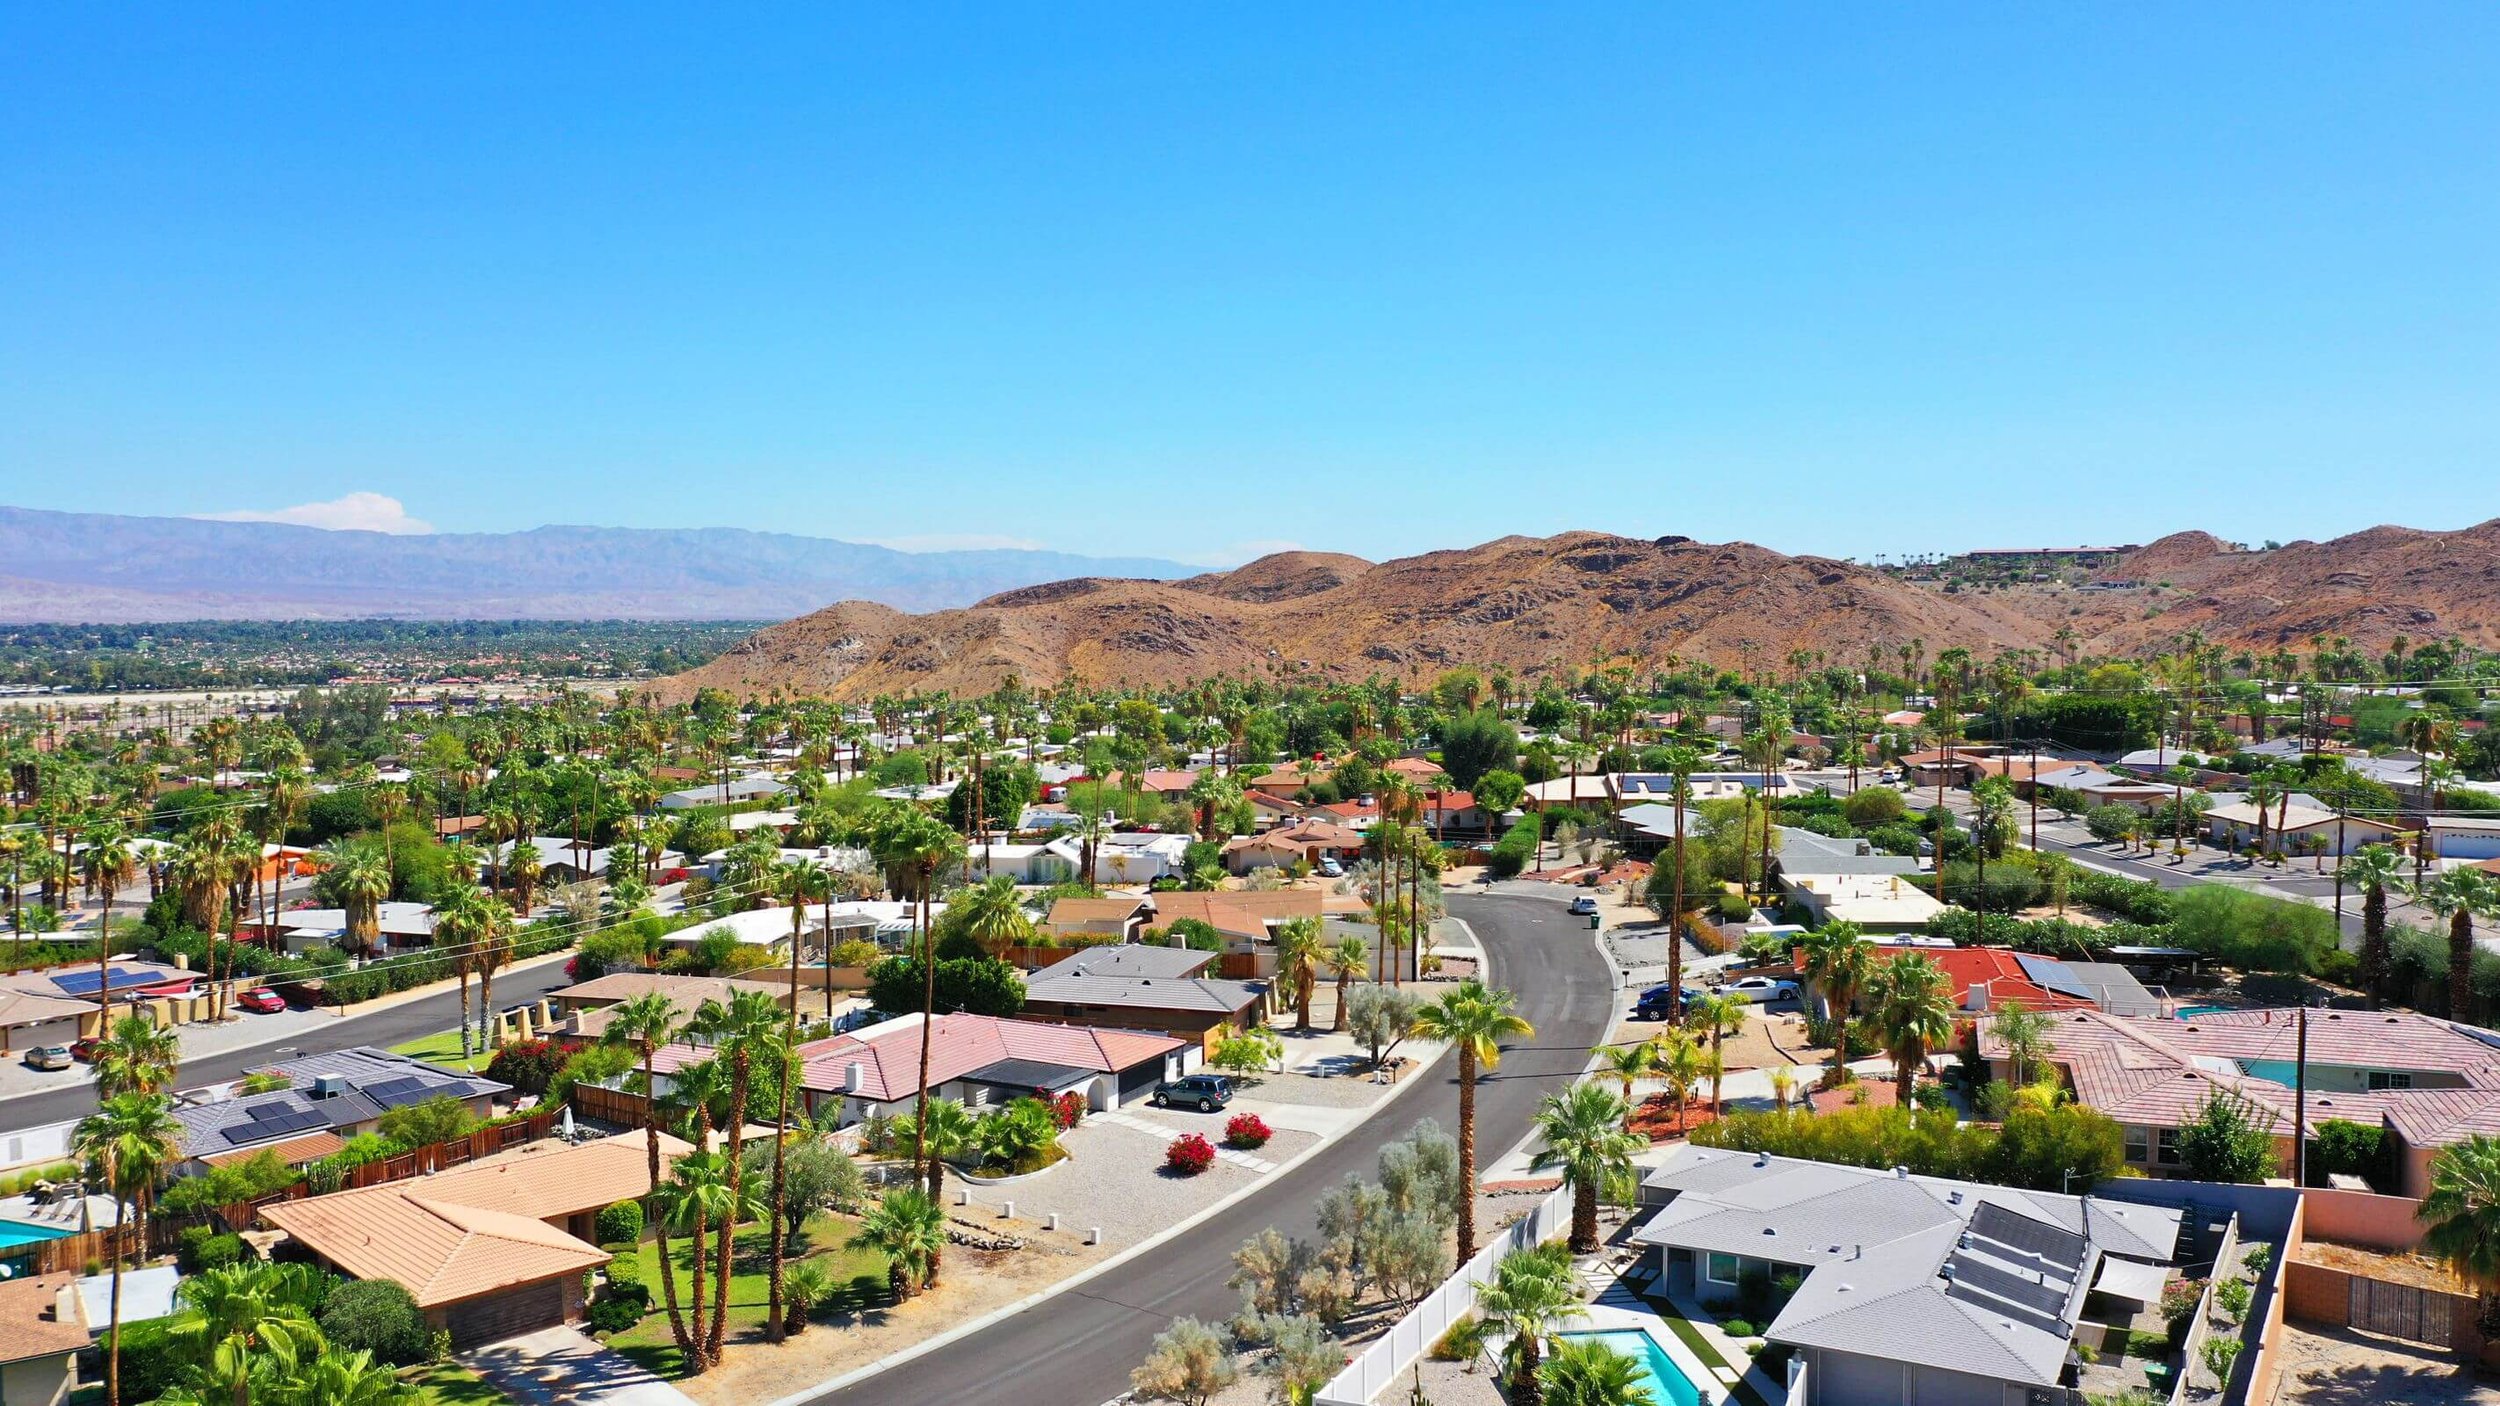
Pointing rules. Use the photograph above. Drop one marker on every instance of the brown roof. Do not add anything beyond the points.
(687, 991)
(1091, 910)
(294, 1151)
(31, 1324)
(1241, 913)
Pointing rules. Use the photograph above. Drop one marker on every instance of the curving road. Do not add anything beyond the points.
(1076, 1348)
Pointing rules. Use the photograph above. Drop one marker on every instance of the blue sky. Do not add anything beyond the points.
(1191, 281)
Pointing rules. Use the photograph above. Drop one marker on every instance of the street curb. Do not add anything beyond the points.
(1043, 1295)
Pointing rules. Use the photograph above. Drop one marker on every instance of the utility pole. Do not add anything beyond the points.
(2300, 1099)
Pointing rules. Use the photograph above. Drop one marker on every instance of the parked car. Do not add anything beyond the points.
(1329, 868)
(83, 1048)
(1762, 990)
(1659, 1002)
(262, 1000)
(1204, 1092)
(1585, 906)
(49, 1057)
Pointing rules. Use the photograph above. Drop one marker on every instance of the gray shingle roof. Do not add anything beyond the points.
(207, 1126)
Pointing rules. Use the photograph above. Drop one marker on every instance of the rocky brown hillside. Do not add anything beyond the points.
(2369, 586)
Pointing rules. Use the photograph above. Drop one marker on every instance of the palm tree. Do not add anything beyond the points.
(1783, 1086)
(522, 868)
(1714, 1017)
(700, 1193)
(1679, 1067)
(490, 950)
(2460, 896)
(795, 883)
(1585, 1372)
(644, 1024)
(747, 1023)
(2374, 869)
(1531, 1292)
(1913, 1015)
(2461, 1213)
(991, 913)
(1584, 1137)
(1838, 959)
(351, 1379)
(1298, 956)
(915, 840)
(1627, 1065)
(1475, 1019)
(246, 1312)
(106, 864)
(1346, 960)
(1682, 762)
(356, 871)
(1992, 807)
(909, 1229)
(131, 1138)
(135, 1057)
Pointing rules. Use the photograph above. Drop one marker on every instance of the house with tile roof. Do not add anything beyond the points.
(1910, 1288)
(43, 1328)
(329, 1097)
(2427, 1082)
(488, 1251)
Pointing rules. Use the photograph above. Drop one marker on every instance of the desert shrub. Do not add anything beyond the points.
(1874, 806)
(2234, 1295)
(527, 1065)
(1189, 1155)
(1247, 1130)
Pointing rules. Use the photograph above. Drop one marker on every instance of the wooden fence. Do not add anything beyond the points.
(612, 1106)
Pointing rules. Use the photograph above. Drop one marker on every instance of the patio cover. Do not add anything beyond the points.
(2126, 1279)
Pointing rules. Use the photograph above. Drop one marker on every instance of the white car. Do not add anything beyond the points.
(1761, 990)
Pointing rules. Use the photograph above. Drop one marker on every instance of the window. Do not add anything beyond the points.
(1724, 1269)
(2390, 1079)
(2166, 1149)
(2139, 1145)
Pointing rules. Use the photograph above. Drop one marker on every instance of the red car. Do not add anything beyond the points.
(83, 1049)
(261, 999)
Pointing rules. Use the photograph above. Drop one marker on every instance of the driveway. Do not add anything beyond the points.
(556, 1365)
(1076, 1349)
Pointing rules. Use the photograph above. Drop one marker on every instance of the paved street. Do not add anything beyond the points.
(1077, 1348)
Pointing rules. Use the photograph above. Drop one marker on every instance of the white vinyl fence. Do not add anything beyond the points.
(1379, 1365)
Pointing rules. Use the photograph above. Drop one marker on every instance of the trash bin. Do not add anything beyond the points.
(1592, 922)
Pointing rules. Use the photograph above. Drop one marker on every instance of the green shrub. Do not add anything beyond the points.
(1464, 1341)
(2234, 1295)
(204, 1247)
(2255, 1260)
(377, 1316)
(621, 1224)
(615, 1315)
(1736, 1327)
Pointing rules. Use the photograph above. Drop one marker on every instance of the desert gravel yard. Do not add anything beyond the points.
(2344, 1368)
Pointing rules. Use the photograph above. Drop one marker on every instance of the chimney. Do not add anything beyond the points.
(854, 1074)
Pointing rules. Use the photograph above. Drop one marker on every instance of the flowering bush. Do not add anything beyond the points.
(1247, 1130)
(1189, 1155)
(1068, 1108)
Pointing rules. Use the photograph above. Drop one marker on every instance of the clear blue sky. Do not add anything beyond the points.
(1183, 279)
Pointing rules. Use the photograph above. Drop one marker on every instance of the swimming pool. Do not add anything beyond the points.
(13, 1234)
(1667, 1383)
(2192, 1012)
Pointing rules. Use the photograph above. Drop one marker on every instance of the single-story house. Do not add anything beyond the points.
(2429, 1082)
(587, 1005)
(882, 921)
(1267, 809)
(1243, 917)
(2463, 837)
(754, 786)
(1126, 857)
(42, 1331)
(1134, 986)
(1295, 842)
(1809, 852)
(1992, 978)
(1911, 1289)
(401, 925)
(1290, 780)
(981, 1060)
(489, 1251)
(1111, 916)
(1592, 792)
(1875, 902)
(1168, 785)
(1422, 771)
(2294, 829)
(329, 1098)
(1454, 815)
(1025, 863)
(58, 1004)
(2102, 788)
(561, 860)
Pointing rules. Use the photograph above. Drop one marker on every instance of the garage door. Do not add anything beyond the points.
(506, 1315)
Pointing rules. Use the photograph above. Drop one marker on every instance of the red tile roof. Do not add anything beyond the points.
(2001, 970)
(889, 1059)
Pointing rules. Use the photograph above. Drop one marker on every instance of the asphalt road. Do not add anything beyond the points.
(1076, 1349)
(424, 1016)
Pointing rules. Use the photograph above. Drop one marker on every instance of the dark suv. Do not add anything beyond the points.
(1204, 1092)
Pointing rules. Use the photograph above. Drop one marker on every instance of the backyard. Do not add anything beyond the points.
(859, 1280)
(443, 1048)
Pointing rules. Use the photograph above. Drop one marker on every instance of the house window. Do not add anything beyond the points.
(2139, 1145)
(2390, 1079)
(2166, 1148)
(1723, 1269)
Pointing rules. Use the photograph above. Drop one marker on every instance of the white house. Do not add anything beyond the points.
(1125, 857)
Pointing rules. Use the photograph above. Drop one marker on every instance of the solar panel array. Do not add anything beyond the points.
(395, 1093)
(86, 983)
(2052, 1245)
(2017, 1267)
(274, 1119)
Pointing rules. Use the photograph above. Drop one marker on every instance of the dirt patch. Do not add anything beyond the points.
(1657, 1119)
(2345, 1368)
(2419, 1271)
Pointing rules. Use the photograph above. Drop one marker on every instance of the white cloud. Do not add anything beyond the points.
(357, 512)
(1239, 553)
(958, 542)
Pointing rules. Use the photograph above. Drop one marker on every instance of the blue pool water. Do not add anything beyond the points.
(2277, 1071)
(1666, 1382)
(13, 1234)
(2192, 1012)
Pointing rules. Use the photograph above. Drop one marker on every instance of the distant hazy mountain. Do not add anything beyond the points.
(102, 568)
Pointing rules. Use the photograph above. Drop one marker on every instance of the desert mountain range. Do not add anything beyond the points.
(102, 568)
(1524, 602)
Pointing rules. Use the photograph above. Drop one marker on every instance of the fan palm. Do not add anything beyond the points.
(1585, 1372)
(106, 864)
(1531, 1292)
(135, 1057)
(2374, 869)
(1347, 960)
(643, 1025)
(1714, 1017)
(699, 1195)
(1474, 1019)
(909, 1229)
(1299, 952)
(245, 1312)
(2461, 1213)
(131, 1138)
(1838, 960)
(356, 873)
(1583, 1134)
(1627, 1065)
(2459, 896)
(747, 1023)
(991, 913)
(1912, 1016)
(490, 950)
(909, 838)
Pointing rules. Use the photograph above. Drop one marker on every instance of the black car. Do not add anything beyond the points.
(1204, 1092)
(1659, 1003)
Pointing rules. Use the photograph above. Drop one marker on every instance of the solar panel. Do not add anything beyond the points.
(274, 1108)
(2004, 1284)
(275, 1125)
(388, 1087)
(2050, 1244)
(417, 1091)
(2045, 1322)
(86, 983)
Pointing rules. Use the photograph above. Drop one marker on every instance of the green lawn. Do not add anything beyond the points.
(858, 1277)
(442, 1048)
(1743, 1390)
(450, 1384)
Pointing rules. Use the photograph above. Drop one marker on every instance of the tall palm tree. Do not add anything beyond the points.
(489, 952)
(1838, 960)
(1474, 1019)
(357, 873)
(909, 1229)
(699, 1193)
(523, 866)
(747, 1024)
(106, 864)
(1682, 762)
(795, 884)
(1913, 1015)
(2374, 869)
(1299, 952)
(131, 1138)
(1531, 1292)
(1627, 1065)
(1583, 1134)
(912, 839)
(643, 1025)
(135, 1057)
(2461, 1213)
(1345, 961)
(2459, 896)
(1992, 808)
